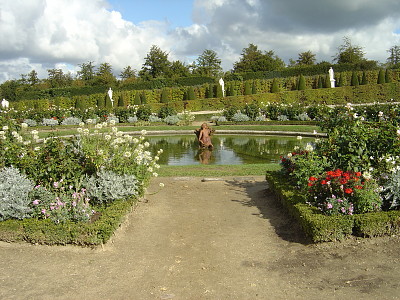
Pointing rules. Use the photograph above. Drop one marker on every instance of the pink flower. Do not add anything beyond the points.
(329, 205)
(43, 211)
(35, 202)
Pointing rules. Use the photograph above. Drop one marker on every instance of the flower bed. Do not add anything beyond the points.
(349, 182)
(324, 228)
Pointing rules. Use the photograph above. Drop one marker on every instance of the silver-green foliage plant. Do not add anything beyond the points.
(172, 120)
(391, 191)
(107, 186)
(240, 117)
(14, 194)
(71, 121)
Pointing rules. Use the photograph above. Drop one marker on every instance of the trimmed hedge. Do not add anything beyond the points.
(84, 234)
(322, 228)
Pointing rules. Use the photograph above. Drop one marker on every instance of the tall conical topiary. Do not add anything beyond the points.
(164, 96)
(191, 94)
(274, 86)
(247, 88)
(210, 91)
(108, 102)
(364, 79)
(381, 77)
(143, 98)
(137, 100)
(388, 77)
(320, 82)
(301, 86)
(233, 89)
(101, 102)
(327, 81)
(219, 93)
(121, 101)
(354, 79)
(340, 81)
(79, 104)
(254, 88)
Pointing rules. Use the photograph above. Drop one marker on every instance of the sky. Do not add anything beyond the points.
(46, 34)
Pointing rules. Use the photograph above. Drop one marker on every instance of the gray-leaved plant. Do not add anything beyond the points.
(14, 194)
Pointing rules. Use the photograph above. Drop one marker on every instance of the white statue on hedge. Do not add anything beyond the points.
(222, 84)
(5, 104)
(110, 94)
(331, 77)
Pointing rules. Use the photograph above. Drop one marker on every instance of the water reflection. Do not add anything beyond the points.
(228, 149)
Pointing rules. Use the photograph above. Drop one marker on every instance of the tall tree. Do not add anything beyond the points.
(208, 64)
(253, 60)
(104, 75)
(32, 78)
(127, 73)
(394, 57)
(179, 69)
(349, 53)
(306, 58)
(156, 64)
(57, 78)
(86, 73)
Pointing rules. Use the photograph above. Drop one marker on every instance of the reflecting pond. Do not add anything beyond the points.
(228, 149)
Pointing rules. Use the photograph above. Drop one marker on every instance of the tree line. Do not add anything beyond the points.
(158, 65)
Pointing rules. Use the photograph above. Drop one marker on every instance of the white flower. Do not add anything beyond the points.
(112, 122)
(119, 133)
(146, 144)
(367, 175)
(299, 137)
(296, 148)
(2, 132)
(380, 114)
(161, 184)
(114, 129)
(135, 140)
(81, 124)
(127, 154)
(314, 132)
(100, 152)
(37, 148)
(34, 132)
(355, 116)
(98, 126)
(24, 125)
(309, 148)
(79, 129)
(156, 166)
(160, 151)
(26, 143)
(5, 127)
(150, 169)
(107, 137)
(155, 174)
(86, 131)
(289, 155)
(398, 131)
(143, 132)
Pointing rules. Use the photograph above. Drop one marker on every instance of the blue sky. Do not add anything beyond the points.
(177, 12)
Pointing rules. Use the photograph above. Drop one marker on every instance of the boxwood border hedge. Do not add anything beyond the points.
(322, 228)
(94, 233)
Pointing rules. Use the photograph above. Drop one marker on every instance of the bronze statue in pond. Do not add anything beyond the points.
(204, 136)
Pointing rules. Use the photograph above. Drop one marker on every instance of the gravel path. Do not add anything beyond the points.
(221, 238)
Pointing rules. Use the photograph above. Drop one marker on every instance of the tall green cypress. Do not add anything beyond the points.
(388, 77)
(364, 79)
(274, 86)
(233, 90)
(340, 83)
(137, 100)
(247, 88)
(320, 82)
(143, 98)
(210, 91)
(164, 96)
(354, 79)
(218, 93)
(121, 101)
(381, 77)
(108, 102)
(101, 102)
(191, 94)
(301, 85)
(254, 88)
(327, 81)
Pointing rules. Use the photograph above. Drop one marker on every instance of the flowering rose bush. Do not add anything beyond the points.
(344, 192)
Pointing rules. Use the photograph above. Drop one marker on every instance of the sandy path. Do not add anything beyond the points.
(223, 239)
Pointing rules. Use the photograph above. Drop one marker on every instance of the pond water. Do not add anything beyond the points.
(228, 149)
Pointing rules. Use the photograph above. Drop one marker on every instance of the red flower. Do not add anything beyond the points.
(358, 174)
(324, 182)
(358, 187)
(310, 184)
(343, 181)
(312, 178)
(348, 191)
(54, 118)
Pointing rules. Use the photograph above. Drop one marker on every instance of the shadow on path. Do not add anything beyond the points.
(263, 198)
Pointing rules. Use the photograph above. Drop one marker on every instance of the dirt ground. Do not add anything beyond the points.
(223, 238)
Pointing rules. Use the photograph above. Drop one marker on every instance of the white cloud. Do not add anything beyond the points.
(43, 34)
